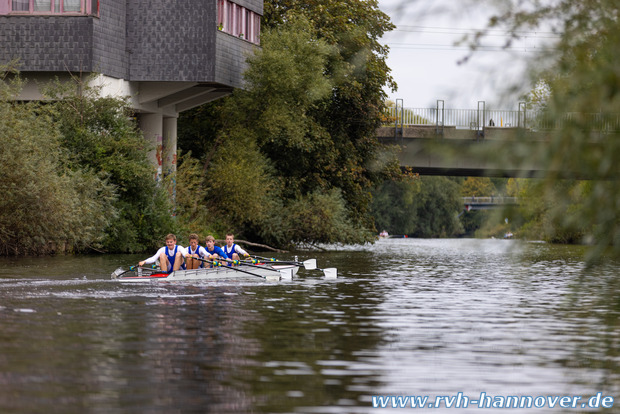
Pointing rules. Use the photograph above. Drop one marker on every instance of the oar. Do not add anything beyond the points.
(236, 269)
(120, 271)
(309, 264)
(239, 262)
(330, 272)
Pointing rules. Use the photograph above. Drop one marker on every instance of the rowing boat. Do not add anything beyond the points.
(267, 272)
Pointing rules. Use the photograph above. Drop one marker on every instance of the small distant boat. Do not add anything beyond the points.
(508, 235)
(384, 234)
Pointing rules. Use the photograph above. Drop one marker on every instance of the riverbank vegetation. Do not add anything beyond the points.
(580, 74)
(293, 158)
(289, 160)
(75, 175)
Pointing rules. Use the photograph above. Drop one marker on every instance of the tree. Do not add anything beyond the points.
(478, 187)
(45, 207)
(394, 206)
(99, 137)
(420, 207)
(358, 73)
(581, 71)
(540, 211)
(313, 99)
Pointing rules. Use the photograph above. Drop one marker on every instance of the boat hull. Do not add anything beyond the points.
(271, 273)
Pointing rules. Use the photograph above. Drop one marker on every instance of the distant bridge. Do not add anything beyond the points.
(479, 142)
(486, 203)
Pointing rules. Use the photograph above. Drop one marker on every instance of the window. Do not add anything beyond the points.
(247, 26)
(221, 14)
(37, 7)
(73, 5)
(256, 28)
(21, 5)
(238, 21)
(43, 5)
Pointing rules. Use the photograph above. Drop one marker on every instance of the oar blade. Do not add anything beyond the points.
(286, 274)
(330, 273)
(310, 264)
(117, 272)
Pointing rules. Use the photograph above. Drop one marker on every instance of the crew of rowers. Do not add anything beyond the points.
(174, 257)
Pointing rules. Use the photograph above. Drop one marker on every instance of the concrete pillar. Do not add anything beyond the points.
(152, 125)
(170, 146)
(170, 153)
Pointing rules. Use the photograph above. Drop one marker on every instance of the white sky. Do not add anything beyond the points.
(424, 59)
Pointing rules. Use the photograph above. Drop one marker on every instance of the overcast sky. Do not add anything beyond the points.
(425, 60)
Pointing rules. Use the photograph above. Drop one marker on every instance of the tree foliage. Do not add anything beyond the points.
(44, 206)
(99, 136)
(478, 187)
(302, 131)
(394, 207)
(75, 175)
(358, 73)
(421, 207)
(581, 72)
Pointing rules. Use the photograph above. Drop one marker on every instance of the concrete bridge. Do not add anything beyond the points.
(487, 203)
(475, 142)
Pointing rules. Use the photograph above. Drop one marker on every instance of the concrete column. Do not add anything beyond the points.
(170, 146)
(152, 125)
(170, 154)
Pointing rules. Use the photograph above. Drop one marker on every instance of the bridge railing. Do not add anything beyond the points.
(490, 200)
(476, 119)
(595, 121)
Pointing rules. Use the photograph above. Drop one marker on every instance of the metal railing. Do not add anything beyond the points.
(460, 118)
(490, 200)
(477, 119)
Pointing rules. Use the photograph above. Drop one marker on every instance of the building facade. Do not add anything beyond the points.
(167, 56)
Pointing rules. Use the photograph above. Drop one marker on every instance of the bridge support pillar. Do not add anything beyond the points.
(152, 127)
(170, 153)
(170, 146)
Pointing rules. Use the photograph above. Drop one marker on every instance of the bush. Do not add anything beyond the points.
(45, 207)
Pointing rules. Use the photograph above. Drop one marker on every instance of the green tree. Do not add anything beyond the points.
(438, 205)
(198, 130)
(99, 136)
(407, 116)
(283, 121)
(422, 207)
(581, 71)
(358, 72)
(540, 210)
(478, 187)
(313, 99)
(45, 207)
(394, 206)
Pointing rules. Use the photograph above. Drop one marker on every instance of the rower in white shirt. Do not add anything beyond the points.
(170, 256)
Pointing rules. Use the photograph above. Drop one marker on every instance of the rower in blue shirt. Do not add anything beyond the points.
(232, 250)
(195, 251)
(215, 252)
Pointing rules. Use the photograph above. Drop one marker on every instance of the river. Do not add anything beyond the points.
(406, 317)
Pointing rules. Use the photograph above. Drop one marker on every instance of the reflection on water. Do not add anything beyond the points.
(405, 317)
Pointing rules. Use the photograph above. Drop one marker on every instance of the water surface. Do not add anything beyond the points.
(405, 317)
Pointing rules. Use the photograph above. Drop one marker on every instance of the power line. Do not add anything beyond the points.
(403, 26)
(438, 47)
(464, 31)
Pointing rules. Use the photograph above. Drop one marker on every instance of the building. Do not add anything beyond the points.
(168, 56)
